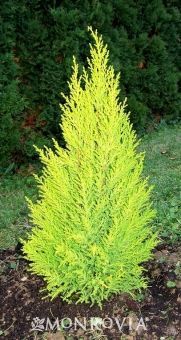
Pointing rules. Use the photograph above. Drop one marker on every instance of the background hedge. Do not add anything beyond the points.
(38, 38)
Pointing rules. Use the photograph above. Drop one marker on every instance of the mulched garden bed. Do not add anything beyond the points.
(21, 302)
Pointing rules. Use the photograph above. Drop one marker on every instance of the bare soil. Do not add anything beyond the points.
(21, 302)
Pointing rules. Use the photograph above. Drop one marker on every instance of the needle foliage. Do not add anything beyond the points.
(92, 220)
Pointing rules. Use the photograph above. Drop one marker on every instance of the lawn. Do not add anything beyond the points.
(13, 207)
(162, 165)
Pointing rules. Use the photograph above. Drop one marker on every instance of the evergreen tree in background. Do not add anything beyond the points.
(144, 41)
(12, 101)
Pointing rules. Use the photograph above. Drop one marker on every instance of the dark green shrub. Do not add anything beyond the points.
(11, 100)
(41, 37)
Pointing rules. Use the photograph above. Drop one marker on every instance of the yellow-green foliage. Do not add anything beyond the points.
(92, 230)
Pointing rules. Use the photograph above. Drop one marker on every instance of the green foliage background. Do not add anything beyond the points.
(38, 38)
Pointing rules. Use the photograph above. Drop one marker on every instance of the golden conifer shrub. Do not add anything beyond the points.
(92, 228)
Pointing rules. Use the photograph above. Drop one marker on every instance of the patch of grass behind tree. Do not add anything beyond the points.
(13, 208)
(163, 166)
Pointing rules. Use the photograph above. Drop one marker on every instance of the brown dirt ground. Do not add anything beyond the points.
(21, 301)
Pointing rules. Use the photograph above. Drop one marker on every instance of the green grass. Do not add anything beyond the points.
(13, 208)
(162, 165)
